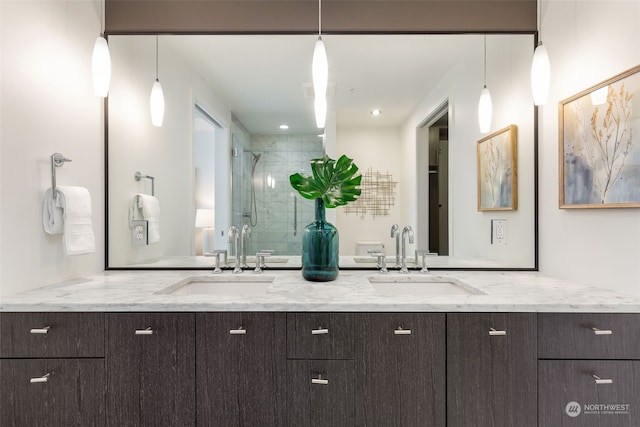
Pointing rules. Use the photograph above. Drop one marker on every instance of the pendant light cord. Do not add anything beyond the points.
(319, 18)
(485, 60)
(539, 22)
(156, 57)
(102, 18)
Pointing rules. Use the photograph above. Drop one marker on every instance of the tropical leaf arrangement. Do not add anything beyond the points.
(334, 181)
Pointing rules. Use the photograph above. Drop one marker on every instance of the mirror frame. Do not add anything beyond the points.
(363, 268)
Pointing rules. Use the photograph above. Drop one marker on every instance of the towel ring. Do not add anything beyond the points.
(57, 160)
(138, 176)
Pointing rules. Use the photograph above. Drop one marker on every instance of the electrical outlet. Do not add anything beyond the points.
(498, 231)
(139, 232)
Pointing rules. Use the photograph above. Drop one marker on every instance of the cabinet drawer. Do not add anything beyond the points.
(321, 393)
(571, 395)
(51, 335)
(320, 336)
(588, 336)
(72, 394)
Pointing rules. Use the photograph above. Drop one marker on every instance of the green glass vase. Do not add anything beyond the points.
(320, 248)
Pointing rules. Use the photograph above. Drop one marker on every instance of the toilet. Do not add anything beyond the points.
(365, 248)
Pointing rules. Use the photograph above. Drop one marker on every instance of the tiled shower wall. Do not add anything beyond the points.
(281, 156)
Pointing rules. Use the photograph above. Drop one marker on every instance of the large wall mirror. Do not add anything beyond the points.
(221, 158)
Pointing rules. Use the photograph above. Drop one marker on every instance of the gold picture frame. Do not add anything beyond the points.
(599, 163)
(498, 171)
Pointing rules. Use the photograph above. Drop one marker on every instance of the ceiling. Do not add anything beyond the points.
(265, 79)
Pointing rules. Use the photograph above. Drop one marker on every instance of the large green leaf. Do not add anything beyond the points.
(333, 181)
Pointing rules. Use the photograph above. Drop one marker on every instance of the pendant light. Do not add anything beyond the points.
(156, 100)
(320, 74)
(540, 68)
(485, 107)
(101, 62)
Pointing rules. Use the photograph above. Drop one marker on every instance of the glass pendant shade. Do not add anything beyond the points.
(320, 74)
(540, 75)
(320, 106)
(320, 69)
(156, 103)
(485, 110)
(101, 67)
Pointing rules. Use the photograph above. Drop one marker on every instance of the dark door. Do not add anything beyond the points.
(491, 369)
(151, 369)
(241, 369)
(321, 393)
(52, 392)
(589, 393)
(400, 370)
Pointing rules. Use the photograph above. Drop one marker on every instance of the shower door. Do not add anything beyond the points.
(262, 195)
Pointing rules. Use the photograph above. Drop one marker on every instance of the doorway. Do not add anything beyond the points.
(210, 181)
(433, 181)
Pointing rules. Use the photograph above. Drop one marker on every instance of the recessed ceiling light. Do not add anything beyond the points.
(376, 112)
(284, 127)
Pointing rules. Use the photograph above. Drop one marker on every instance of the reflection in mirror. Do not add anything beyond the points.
(221, 153)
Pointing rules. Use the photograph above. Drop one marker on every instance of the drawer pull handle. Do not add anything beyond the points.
(44, 330)
(602, 380)
(147, 331)
(495, 333)
(320, 331)
(401, 331)
(602, 331)
(239, 331)
(319, 380)
(42, 379)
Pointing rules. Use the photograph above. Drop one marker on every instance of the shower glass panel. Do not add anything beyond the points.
(262, 195)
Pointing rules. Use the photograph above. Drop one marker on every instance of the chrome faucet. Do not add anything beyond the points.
(395, 232)
(246, 233)
(407, 231)
(234, 237)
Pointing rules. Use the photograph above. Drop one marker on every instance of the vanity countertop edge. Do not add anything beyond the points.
(141, 291)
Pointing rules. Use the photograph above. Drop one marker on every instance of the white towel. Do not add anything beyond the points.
(147, 208)
(69, 214)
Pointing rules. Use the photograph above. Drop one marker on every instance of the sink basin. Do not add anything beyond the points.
(220, 285)
(421, 285)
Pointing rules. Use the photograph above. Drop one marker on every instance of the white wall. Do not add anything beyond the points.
(48, 106)
(376, 149)
(588, 42)
(507, 60)
(162, 152)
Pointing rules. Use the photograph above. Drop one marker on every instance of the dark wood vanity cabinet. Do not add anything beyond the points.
(320, 393)
(320, 369)
(151, 369)
(241, 369)
(52, 392)
(589, 370)
(400, 369)
(52, 369)
(491, 369)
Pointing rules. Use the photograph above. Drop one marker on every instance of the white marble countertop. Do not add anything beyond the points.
(288, 291)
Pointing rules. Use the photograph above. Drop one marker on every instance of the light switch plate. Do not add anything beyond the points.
(498, 231)
(140, 232)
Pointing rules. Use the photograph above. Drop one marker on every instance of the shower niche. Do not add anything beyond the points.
(261, 194)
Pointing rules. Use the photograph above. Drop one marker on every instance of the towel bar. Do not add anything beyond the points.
(57, 160)
(138, 176)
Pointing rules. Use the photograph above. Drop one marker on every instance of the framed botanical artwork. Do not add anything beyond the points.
(498, 171)
(599, 157)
